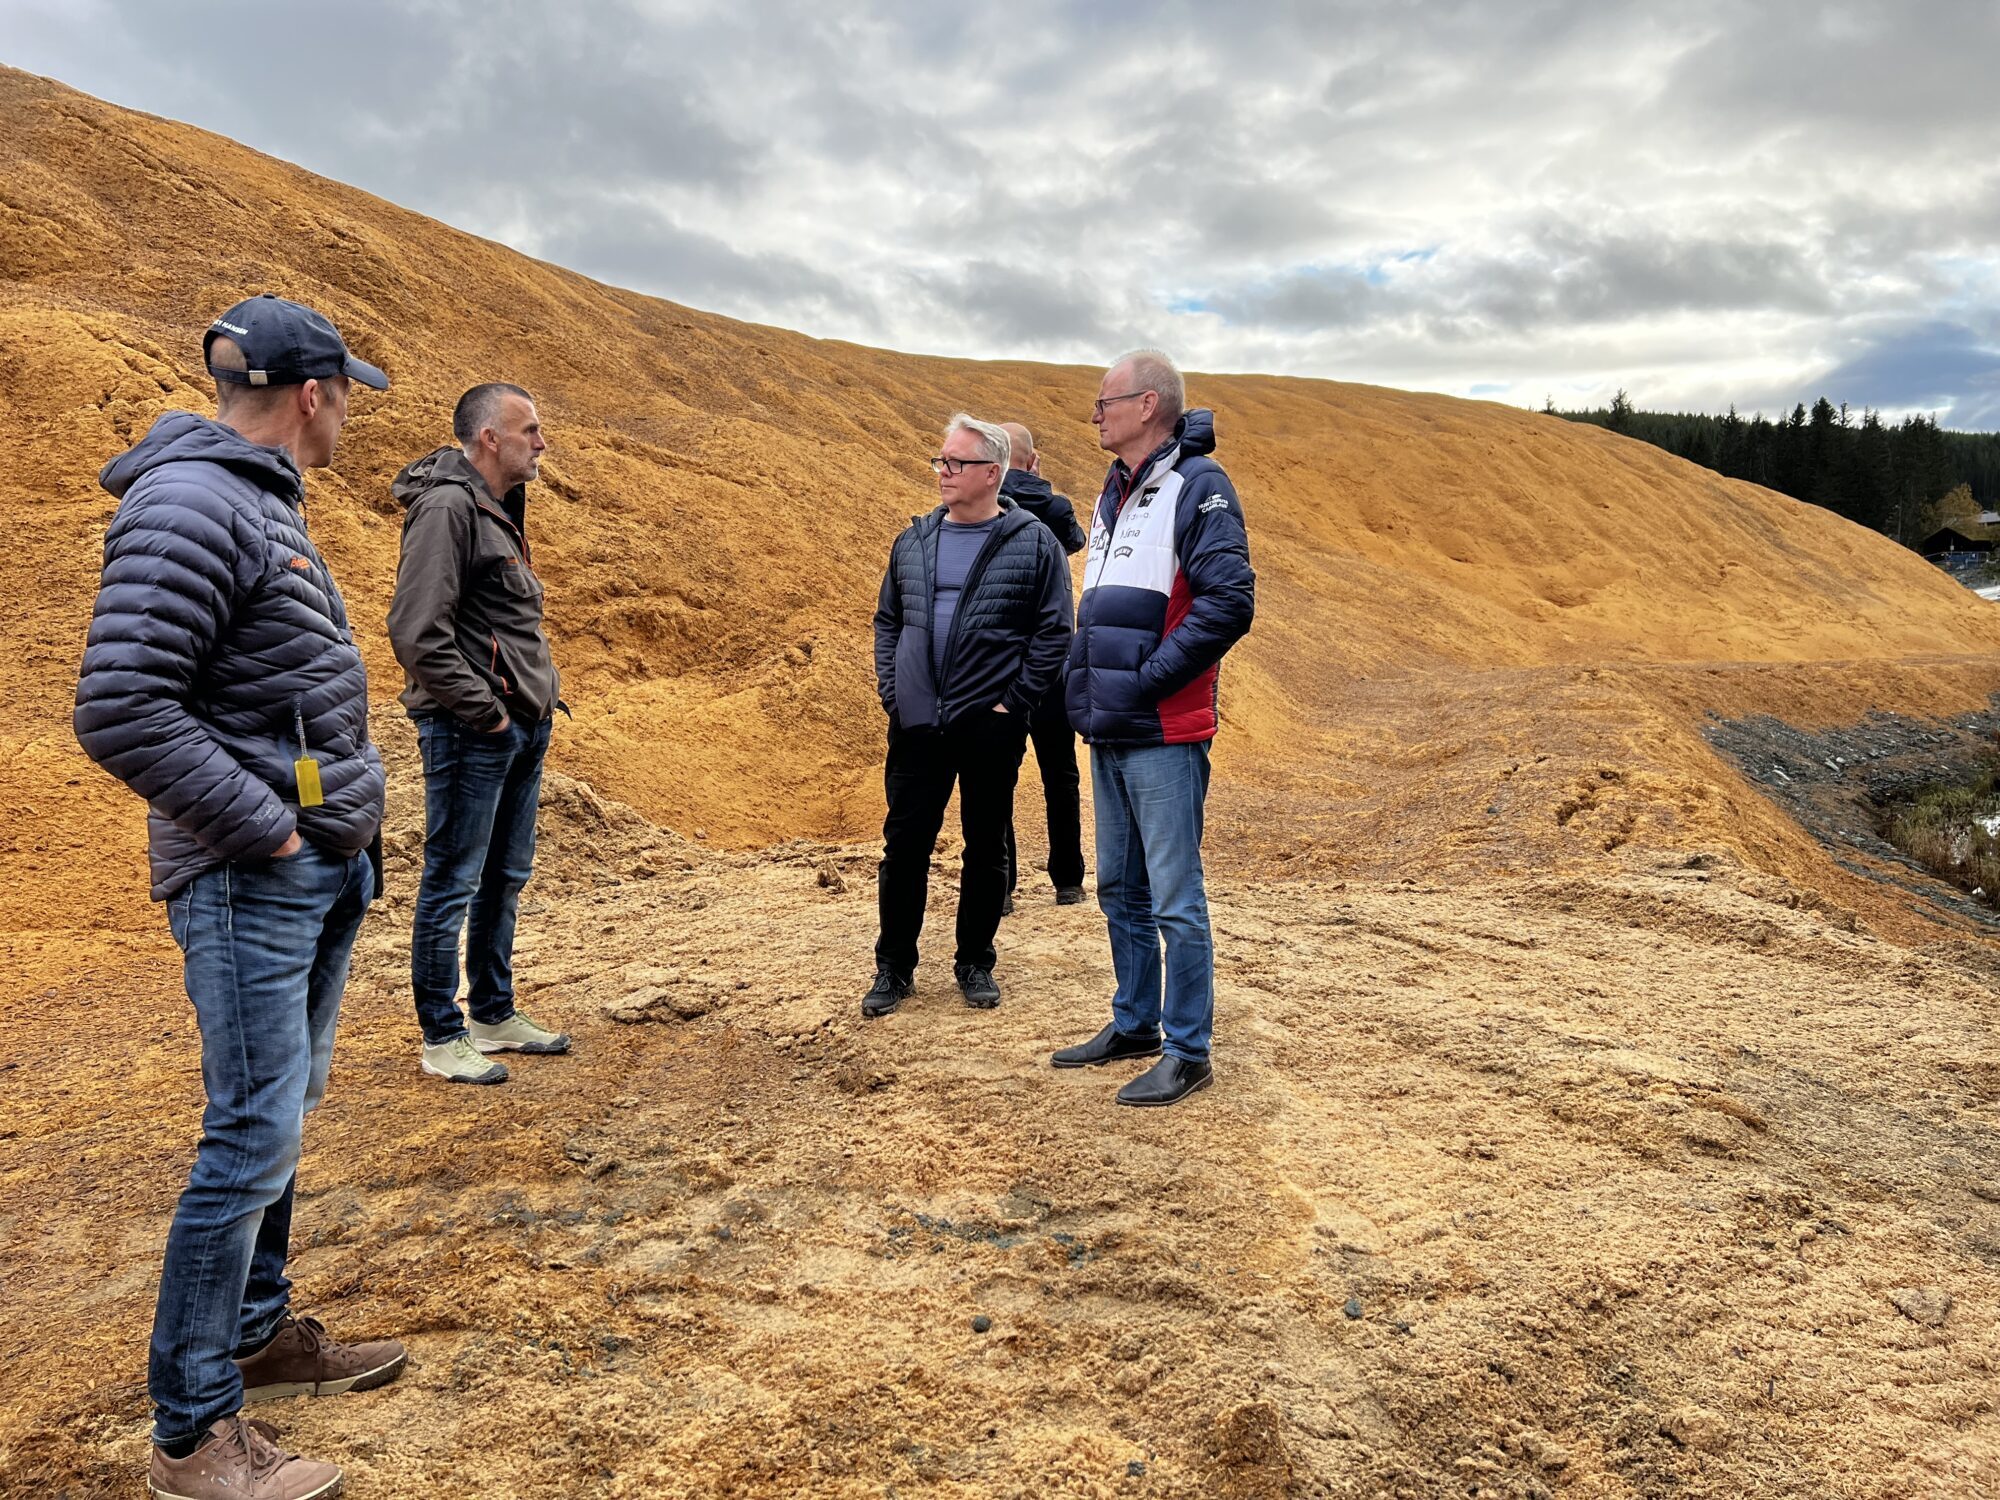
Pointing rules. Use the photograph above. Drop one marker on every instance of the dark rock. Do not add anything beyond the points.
(1353, 1308)
(981, 1323)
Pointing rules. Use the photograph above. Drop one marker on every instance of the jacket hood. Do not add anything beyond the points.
(1195, 432)
(446, 465)
(1193, 436)
(183, 437)
(1026, 489)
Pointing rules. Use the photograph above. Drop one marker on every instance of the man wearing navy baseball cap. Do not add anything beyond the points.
(222, 684)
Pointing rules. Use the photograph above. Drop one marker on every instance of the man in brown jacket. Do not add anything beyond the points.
(466, 624)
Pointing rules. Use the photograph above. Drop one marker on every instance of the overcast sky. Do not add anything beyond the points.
(1699, 202)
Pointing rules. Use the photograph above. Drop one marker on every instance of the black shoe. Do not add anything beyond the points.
(889, 990)
(1168, 1081)
(1069, 895)
(1109, 1045)
(977, 985)
(1007, 905)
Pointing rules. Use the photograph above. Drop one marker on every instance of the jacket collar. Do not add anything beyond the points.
(1012, 518)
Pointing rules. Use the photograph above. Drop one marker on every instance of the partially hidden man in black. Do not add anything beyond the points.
(970, 631)
(1049, 728)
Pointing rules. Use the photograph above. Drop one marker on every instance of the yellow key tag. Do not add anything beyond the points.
(307, 770)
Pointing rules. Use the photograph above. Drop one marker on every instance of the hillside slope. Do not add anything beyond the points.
(719, 498)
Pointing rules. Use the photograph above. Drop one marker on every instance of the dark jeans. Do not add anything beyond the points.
(982, 753)
(481, 792)
(266, 944)
(1055, 755)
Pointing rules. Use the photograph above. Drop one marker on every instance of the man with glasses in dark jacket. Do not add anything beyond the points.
(222, 684)
(971, 627)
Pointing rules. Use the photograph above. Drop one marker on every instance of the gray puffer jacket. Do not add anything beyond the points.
(217, 629)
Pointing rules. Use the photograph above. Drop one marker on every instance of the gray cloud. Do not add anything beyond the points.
(1949, 368)
(1560, 196)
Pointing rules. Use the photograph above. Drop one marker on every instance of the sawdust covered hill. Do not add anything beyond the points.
(720, 496)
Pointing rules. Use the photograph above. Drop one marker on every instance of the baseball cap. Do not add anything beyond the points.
(286, 344)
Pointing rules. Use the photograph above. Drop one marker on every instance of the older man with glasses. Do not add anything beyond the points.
(970, 631)
(1167, 590)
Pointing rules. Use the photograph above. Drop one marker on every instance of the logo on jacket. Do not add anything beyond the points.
(1213, 502)
(1146, 495)
(1123, 552)
(302, 564)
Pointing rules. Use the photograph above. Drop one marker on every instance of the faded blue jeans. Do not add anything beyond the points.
(481, 792)
(1149, 800)
(266, 944)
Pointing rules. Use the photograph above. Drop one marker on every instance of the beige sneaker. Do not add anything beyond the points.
(458, 1061)
(518, 1033)
(240, 1460)
(300, 1360)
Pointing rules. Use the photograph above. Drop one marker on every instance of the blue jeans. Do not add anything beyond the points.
(1149, 800)
(266, 944)
(481, 792)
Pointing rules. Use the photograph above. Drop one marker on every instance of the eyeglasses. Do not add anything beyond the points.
(1097, 406)
(956, 466)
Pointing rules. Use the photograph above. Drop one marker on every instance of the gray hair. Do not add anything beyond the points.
(994, 444)
(1154, 370)
(479, 408)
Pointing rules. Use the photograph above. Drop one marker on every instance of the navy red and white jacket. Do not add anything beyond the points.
(1167, 590)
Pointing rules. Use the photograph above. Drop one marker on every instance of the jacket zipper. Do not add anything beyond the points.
(1134, 481)
(939, 674)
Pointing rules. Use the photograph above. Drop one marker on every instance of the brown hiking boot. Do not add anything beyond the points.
(240, 1460)
(301, 1360)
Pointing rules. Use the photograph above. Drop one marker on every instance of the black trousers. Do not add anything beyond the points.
(981, 752)
(1055, 755)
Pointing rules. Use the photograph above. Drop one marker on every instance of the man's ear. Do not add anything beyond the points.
(308, 399)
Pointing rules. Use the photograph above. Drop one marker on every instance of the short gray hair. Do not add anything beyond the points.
(994, 444)
(479, 408)
(1154, 370)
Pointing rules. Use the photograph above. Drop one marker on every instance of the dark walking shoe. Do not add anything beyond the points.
(1109, 1045)
(977, 985)
(300, 1360)
(1007, 905)
(1069, 895)
(1168, 1081)
(240, 1460)
(889, 990)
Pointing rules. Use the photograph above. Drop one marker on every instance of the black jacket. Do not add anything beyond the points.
(1008, 635)
(1039, 499)
(217, 631)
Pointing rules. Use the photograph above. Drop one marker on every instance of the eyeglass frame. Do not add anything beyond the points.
(943, 465)
(1097, 406)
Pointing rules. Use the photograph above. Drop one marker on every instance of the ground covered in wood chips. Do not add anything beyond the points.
(1595, 1116)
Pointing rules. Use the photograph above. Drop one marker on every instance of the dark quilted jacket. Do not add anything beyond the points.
(217, 626)
(1008, 635)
